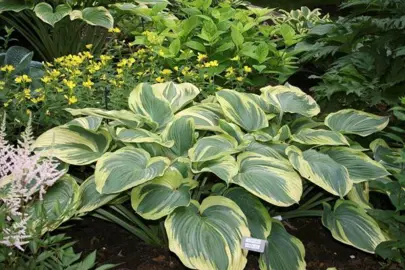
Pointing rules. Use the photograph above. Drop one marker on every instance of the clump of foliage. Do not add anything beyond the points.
(216, 166)
(363, 52)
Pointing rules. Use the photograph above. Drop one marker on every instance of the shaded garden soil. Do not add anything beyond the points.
(116, 245)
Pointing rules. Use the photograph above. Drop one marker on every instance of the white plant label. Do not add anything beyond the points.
(253, 244)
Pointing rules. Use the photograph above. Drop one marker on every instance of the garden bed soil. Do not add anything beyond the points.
(116, 245)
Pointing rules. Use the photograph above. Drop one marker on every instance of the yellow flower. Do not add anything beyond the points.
(23, 79)
(211, 64)
(247, 69)
(88, 83)
(122, 63)
(160, 80)
(114, 30)
(120, 70)
(105, 58)
(77, 72)
(7, 68)
(87, 55)
(54, 73)
(28, 112)
(2, 84)
(103, 77)
(239, 79)
(166, 71)
(185, 71)
(236, 58)
(59, 90)
(27, 93)
(229, 72)
(71, 99)
(89, 46)
(176, 68)
(201, 57)
(46, 79)
(161, 53)
(69, 84)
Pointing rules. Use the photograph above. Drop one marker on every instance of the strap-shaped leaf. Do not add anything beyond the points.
(351, 121)
(139, 135)
(205, 115)
(287, 98)
(160, 196)
(258, 217)
(178, 95)
(126, 168)
(97, 16)
(90, 198)
(224, 167)
(213, 147)
(45, 12)
(283, 252)
(182, 132)
(73, 145)
(351, 225)
(208, 236)
(319, 137)
(360, 166)
(242, 110)
(91, 123)
(144, 101)
(270, 179)
(321, 170)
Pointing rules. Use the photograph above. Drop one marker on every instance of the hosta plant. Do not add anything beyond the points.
(211, 169)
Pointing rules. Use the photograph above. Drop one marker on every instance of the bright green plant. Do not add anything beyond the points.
(211, 169)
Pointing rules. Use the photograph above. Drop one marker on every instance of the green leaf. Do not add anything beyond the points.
(160, 196)
(45, 12)
(232, 130)
(126, 168)
(213, 147)
(91, 123)
(209, 31)
(242, 110)
(237, 36)
(351, 121)
(258, 217)
(205, 115)
(73, 145)
(15, 5)
(360, 195)
(182, 132)
(96, 16)
(262, 51)
(178, 95)
(224, 167)
(284, 251)
(361, 167)
(274, 150)
(321, 170)
(319, 137)
(139, 135)
(351, 225)
(288, 34)
(220, 224)
(174, 47)
(290, 99)
(195, 45)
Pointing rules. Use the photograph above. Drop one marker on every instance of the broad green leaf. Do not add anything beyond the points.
(361, 167)
(319, 137)
(73, 145)
(321, 170)
(160, 196)
(205, 115)
(270, 179)
(351, 121)
(96, 16)
(126, 168)
(283, 252)
(387, 156)
(182, 132)
(139, 135)
(146, 102)
(274, 150)
(174, 47)
(91, 199)
(15, 5)
(232, 130)
(195, 45)
(212, 147)
(182, 165)
(224, 167)
(360, 195)
(351, 225)
(45, 12)
(242, 110)
(178, 95)
(208, 236)
(288, 34)
(287, 98)
(258, 217)
(128, 118)
(91, 123)
(237, 36)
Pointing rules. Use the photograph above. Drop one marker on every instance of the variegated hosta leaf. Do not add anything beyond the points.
(321, 170)
(319, 137)
(91, 199)
(97, 16)
(361, 168)
(91, 123)
(182, 132)
(264, 105)
(282, 134)
(274, 150)
(242, 110)
(351, 121)
(126, 168)
(387, 156)
(182, 165)
(160, 196)
(283, 252)
(270, 179)
(73, 145)
(232, 130)
(205, 115)
(45, 12)
(287, 98)
(150, 104)
(208, 236)
(139, 135)
(258, 217)
(224, 167)
(351, 225)
(58, 205)
(127, 118)
(178, 95)
(213, 147)
(360, 195)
